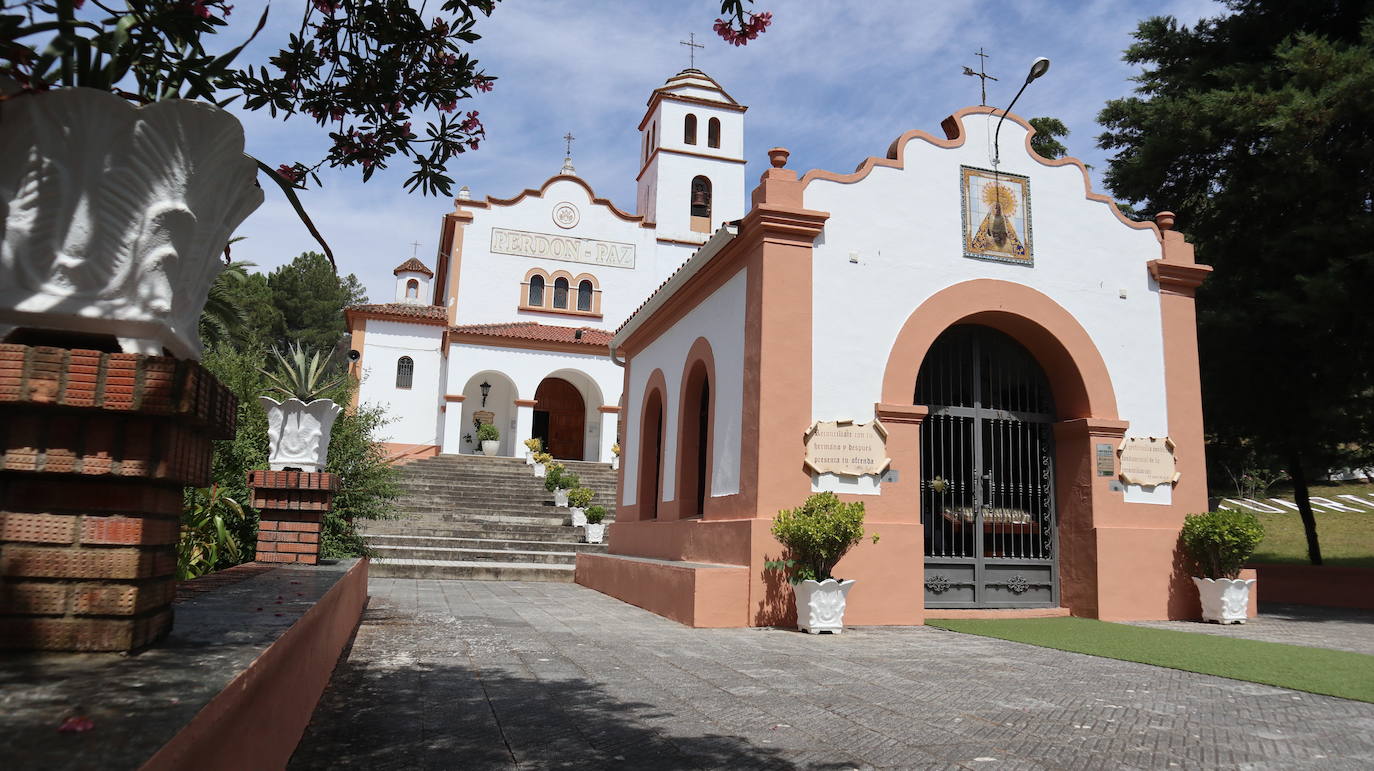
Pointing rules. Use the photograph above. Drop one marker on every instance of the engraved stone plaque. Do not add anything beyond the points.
(1148, 461)
(846, 448)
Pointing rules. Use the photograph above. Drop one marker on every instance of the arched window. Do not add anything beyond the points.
(713, 133)
(413, 289)
(560, 293)
(405, 372)
(536, 297)
(701, 205)
(689, 129)
(584, 295)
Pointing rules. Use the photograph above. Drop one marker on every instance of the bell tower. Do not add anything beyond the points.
(691, 176)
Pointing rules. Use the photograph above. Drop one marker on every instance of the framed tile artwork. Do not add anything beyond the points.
(997, 215)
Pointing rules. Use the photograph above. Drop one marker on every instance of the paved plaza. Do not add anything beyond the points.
(476, 675)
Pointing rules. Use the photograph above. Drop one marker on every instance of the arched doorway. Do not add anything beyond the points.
(651, 456)
(987, 471)
(560, 416)
(694, 450)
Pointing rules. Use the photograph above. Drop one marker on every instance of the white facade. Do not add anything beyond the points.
(1085, 260)
(595, 263)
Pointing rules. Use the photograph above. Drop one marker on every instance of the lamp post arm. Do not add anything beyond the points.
(997, 135)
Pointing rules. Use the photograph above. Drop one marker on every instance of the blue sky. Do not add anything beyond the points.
(833, 82)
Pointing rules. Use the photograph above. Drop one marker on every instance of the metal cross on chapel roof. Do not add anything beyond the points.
(981, 74)
(568, 139)
(692, 46)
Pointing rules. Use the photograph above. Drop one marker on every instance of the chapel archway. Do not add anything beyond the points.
(694, 449)
(560, 417)
(650, 487)
(987, 473)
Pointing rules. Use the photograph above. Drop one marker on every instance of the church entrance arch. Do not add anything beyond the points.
(987, 473)
(560, 417)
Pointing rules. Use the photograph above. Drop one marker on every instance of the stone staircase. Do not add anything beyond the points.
(470, 516)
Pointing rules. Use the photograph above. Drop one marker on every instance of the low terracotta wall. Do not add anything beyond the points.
(1336, 587)
(258, 719)
(693, 594)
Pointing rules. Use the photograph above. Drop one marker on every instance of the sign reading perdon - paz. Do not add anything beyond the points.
(1148, 461)
(547, 246)
(847, 448)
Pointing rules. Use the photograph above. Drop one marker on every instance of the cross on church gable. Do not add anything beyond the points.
(692, 46)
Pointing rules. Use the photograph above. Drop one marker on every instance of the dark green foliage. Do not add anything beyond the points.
(568, 481)
(224, 317)
(367, 482)
(1046, 140)
(551, 474)
(209, 532)
(488, 433)
(310, 297)
(816, 535)
(579, 497)
(595, 514)
(1220, 542)
(1257, 128)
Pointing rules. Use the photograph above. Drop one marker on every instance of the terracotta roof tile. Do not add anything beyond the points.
(413, 265)
(533, 330)
(404, 310)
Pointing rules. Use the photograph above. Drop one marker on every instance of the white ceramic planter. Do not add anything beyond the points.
(560, 497)
(1224, 600)
(115, 217)
(579, 516)
(529, 458)
(298, 433)
(615, 462)
(540, 470)
(820, 605)
(595, 533)
(490, 446)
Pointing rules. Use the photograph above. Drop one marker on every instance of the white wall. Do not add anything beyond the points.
(720, 319)
(905, 227)
(422, 297)
(595, 376)
(413, 412)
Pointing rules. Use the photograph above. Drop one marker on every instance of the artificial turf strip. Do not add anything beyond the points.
(1315, 670)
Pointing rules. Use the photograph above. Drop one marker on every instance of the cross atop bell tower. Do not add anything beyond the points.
(692, 46)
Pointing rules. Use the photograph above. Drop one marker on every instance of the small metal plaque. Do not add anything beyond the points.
(1106, 460)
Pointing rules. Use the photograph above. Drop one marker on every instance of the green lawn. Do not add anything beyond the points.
(1347, 538)
(1315, 670)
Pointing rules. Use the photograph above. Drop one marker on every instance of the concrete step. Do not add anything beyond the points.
(489, 544)
(470, 570)
(475, 555)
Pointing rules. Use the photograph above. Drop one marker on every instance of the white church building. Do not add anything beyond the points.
(511, 325)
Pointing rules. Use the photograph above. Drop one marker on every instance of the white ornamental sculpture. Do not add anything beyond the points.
(298, 433)
(113, 217)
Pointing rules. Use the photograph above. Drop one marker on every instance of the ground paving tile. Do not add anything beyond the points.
(477, 675)
(1342, 629)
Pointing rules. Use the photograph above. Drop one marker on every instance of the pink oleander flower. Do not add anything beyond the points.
(327, 6)
(448, 106)
(288, 173)
(482, 84)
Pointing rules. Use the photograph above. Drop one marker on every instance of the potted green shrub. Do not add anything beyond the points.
(815, 536)
(1219, 543)
(542, 461)
(298, 428)
(595, 530)
(562, 483)
(578, 498)
(490, 438)
(533, 446)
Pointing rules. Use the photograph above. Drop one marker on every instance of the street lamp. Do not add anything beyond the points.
(486, 389)
(1038, 67)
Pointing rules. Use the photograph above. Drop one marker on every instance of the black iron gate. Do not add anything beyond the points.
(987, 471)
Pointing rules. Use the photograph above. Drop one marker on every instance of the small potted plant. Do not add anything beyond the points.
(563, 482)
(298, 428)
(542, 461)
(1219, 543)
(595, 531)
(490, 437)
(578, 498)
(533, 446)
(615, 456)
(815, 536)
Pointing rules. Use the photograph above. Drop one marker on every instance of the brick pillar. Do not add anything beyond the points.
(96, 450)
(291, 506)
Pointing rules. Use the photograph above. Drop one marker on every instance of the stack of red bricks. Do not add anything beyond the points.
(291, 506)
(95, 449)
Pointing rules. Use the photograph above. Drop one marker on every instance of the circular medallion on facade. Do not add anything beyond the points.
(565, 215)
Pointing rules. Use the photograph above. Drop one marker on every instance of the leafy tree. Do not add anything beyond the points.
(1257, 127)
(310, 297)
(224, 317)
(1047, 134)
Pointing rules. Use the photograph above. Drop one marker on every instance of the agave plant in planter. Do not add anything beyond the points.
(578, 498)
(542, 461)
(533, 446)
(298, 428)
(595, 531)
(815, 536)
(490, 437)
(1219, 543)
